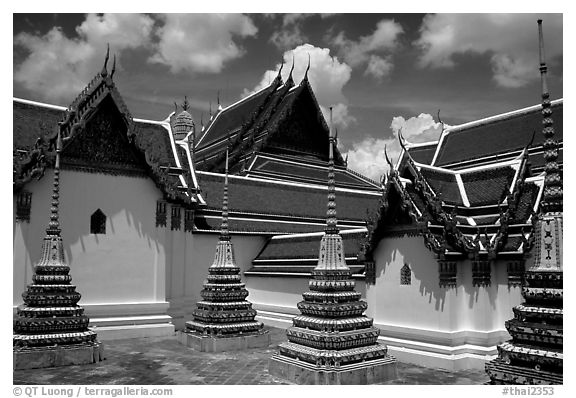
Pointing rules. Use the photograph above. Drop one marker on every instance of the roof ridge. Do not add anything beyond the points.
(500, 116)
(231, 106)
(40, 104)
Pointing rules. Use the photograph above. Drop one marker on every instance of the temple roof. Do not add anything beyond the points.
(273, 207)
(495, 138)
(231, 118)
(423, 153)
(36, 123)
(297, 255)
(283, 167)
(281, 119)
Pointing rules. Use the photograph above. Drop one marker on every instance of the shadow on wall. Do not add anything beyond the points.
(474, 291)
(422, 263)
(121, 264)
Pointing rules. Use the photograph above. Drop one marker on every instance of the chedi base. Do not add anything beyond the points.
(48, 357)
(210, 343)
(362, 373)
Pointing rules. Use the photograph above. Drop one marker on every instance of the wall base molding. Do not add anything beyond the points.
(113, 321)
(451, 350)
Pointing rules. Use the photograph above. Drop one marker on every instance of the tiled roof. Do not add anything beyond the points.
(423, 153)
(299, 254)
(444, 185)
(526, 203)
(488, 186)
(299, 247)
(32, 121)
(156, 141)
(271, 167)
(497, 135)
(231, 118)
(269, 197)
(204, 223)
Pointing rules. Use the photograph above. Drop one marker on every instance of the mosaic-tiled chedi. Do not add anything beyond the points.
(224, 319)
(50, 328)
(332, 342)
(535, 353)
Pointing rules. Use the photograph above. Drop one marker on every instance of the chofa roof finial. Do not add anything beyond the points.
(387, 158)
(113, 67)
(280, 70)
(307, 69)
(185, 104)
(290, 79)
(104, 68)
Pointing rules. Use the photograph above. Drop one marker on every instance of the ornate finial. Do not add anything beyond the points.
(280, 70)
(104, 71)
(224, 233)
(175, 108)
(185, 104)
(113, 67)
(218, 97)
(210, 109)
(307, 69)
(290, 79)
(202, 120)
(552, 199)
(387, 158)
(54, 224)
(331, 221)
(440, 120)
(401, 140)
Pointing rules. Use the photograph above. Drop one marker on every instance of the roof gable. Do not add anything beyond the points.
(231, 118)
(101, 142)
(98, 134)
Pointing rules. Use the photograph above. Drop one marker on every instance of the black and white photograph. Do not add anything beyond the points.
(346, 198)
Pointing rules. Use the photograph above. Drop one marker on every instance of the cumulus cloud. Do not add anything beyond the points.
(510, 40)
(367, 156)
(201, 42)
(291, 34)
(57, 68)
(421, 128)
(379, 67)
(363, 52)
(327, 77)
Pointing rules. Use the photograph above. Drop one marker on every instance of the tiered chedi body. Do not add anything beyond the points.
(50, 315)
(332, 332)
(535, 353)
(224, 310)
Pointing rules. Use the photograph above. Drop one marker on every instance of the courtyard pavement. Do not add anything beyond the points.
(162, 360)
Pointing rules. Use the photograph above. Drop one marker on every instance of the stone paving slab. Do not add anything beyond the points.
(163, 361)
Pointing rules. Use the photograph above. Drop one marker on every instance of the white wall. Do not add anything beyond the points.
(127, 264)
(415, 316)
(192, 255)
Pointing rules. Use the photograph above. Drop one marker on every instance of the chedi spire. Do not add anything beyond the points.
(332, 342)
(224, 319)
(535, 354)
(50, 328)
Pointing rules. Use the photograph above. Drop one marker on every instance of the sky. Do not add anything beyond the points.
(379, 72)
